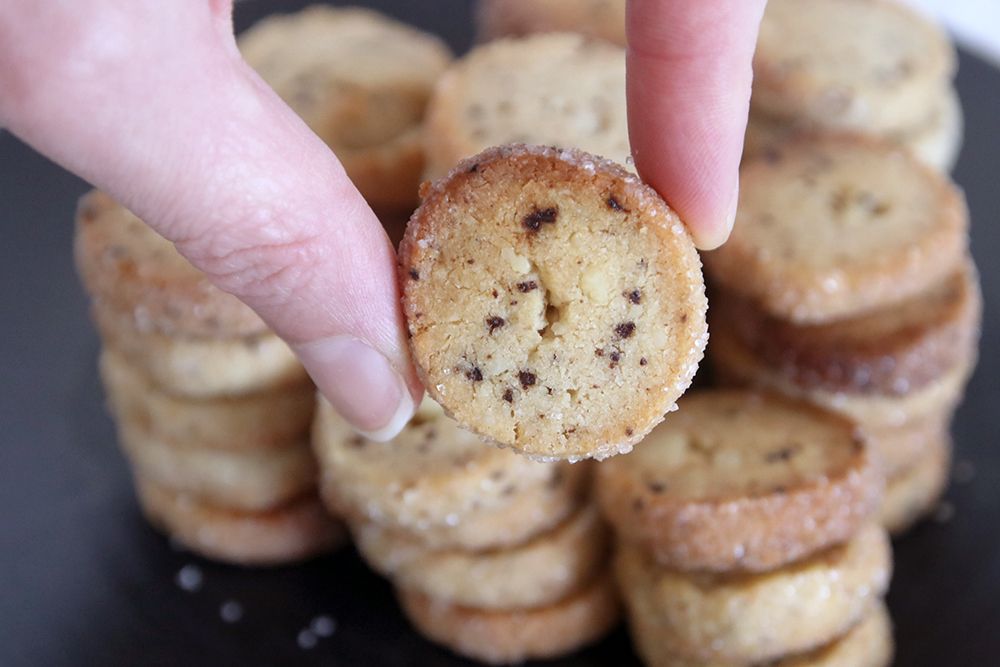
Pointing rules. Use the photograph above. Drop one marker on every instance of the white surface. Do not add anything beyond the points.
(974, 23)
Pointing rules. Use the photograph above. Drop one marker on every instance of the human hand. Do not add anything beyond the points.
(151, 102)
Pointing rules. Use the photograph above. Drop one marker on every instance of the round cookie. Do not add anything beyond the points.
(741, 481)
(867, 644)
(287, 534)
(202, 367)
(502, 637)
(832, 226)
(539, 572)
(250, 481)
(751, 618)
(127, 266)
(256, 421)
(913, 492)
(549, 89)
(433, 474)
(733, 365)
(360, 81)
(865, 65)
(555, 304)
(892, 351)
(603, 19)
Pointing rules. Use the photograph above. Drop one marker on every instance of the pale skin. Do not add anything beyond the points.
(151, 102)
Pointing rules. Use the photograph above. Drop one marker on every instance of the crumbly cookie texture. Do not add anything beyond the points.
(741, 481)
(287, 534)
(603, 19)
(555, 304)
(127, 266)
(850, 64)
(434, 473)
(867, 644)
(269, 420)
(913, 492)
(504, 637)
(830, 226)
(551, 89)
(539, 572)
(894, 351)
(751, 619)
(361, 81)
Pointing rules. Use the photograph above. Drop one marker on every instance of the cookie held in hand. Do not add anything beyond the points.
(555, 304)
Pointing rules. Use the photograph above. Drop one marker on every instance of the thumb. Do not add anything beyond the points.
(151, 102)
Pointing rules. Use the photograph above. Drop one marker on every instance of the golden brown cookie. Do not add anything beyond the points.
(892, 351)
(539, 572)
(202, 368)
(832, 226)
(130, 268)
(360, 81)
(864, 65)
(603, 19)
(555, 304)
(245, 480)
(741, 481)
(733, 365)
(268, 420)
(287, 534)
(551, 89)
(503, 637)
(914, 491)
(751, 618)
(867, 644)
(433, 474)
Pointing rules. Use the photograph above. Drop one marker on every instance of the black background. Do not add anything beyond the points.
(84, 581)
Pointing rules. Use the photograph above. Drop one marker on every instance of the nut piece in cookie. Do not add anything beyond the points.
(555, 304)
(741, 481)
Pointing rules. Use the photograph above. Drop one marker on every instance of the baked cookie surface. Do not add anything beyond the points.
(604, 19)
(555, 304)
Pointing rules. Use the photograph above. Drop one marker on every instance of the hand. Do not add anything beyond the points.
(151, 102)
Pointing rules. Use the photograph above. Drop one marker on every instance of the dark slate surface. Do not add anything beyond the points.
(83, 581)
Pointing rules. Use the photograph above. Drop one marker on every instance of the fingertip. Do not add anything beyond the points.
(711, 232)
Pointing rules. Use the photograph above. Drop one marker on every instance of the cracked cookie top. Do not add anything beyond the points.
(555, 303)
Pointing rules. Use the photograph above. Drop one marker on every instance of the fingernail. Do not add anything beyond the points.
(361, 384)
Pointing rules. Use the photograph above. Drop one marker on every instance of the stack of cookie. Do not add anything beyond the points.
(868, 66)
(847, 282)
(213, 410)
(548, 89)
(496, 556)
(746, 536)
(360, 80)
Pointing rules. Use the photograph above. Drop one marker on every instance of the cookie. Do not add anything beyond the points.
(433, 473)
(288, 534)
(202, 367)
(741, 481)
(751, 618)
(913, 492)
(539, 572)
(256, 421)
(938, 140)
(833, 226)
(733, 365)
(892, 351)
(602, 19)
(865, 65)
(551, 89)
(867, 644)
(360, 81)
(250, 481)
(503, 637)
(126, 265)
(555, 304)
